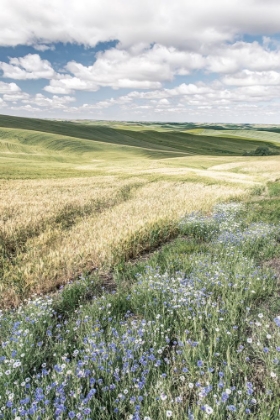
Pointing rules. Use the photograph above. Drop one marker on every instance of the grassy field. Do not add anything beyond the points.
(72, 204)
(190, 332)
(149, 254)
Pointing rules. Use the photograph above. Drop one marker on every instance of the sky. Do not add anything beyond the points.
(141, 60)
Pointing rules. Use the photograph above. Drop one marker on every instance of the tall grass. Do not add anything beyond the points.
(196, 342)
(70, 227)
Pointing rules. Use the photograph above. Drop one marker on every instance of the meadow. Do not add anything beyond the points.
(138, 267)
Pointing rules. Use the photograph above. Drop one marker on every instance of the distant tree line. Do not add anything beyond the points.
(261, 151)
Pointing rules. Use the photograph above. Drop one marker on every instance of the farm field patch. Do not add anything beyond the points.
(138, 272)
(72, 204)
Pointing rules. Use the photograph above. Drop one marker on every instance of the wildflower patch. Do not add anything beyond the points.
(193, 344)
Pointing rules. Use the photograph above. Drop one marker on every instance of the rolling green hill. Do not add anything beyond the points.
(169, 141)
(33, 147)
(267, 136)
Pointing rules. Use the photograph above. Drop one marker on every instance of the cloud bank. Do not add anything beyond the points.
(209, 60)
(178, 24)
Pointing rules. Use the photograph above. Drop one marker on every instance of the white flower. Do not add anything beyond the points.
(260, 315)
(268, 336)
(182, 378)
(253, 401)
(208, 409)
(249, 340)
(191, 385)
(228, 391)
(273, 375)
(168, 413)
(16, 364)
(163, 396)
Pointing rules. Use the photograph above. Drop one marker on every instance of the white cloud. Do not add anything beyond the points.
(54, 102)
(28, 108)
(29, 67)
(179, 91)
(11, 92)
(243, 55)
(157, 41)
(195, 96)
(9, 88)
(16, 97)
(122, 100)
(174, 24)
(137, 68)
(43, 47)
(251, 78)
(142, 67)
(65, 84)
(164, 101)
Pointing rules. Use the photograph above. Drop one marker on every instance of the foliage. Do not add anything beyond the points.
(261, 151)
(192, 342)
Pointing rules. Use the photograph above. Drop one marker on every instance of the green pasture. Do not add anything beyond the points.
(31, 148)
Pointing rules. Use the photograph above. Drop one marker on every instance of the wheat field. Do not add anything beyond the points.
(70, 206)
(53, 230)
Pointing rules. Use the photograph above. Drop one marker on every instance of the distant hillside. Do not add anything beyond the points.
(175, 142)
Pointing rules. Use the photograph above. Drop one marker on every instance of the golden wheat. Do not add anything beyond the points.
(57, 253)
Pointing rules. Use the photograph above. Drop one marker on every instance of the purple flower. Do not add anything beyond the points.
(250, 390)
(277, 321)
(224, 396)
(87, 411)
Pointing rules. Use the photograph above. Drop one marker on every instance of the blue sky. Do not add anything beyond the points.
(198, 61)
